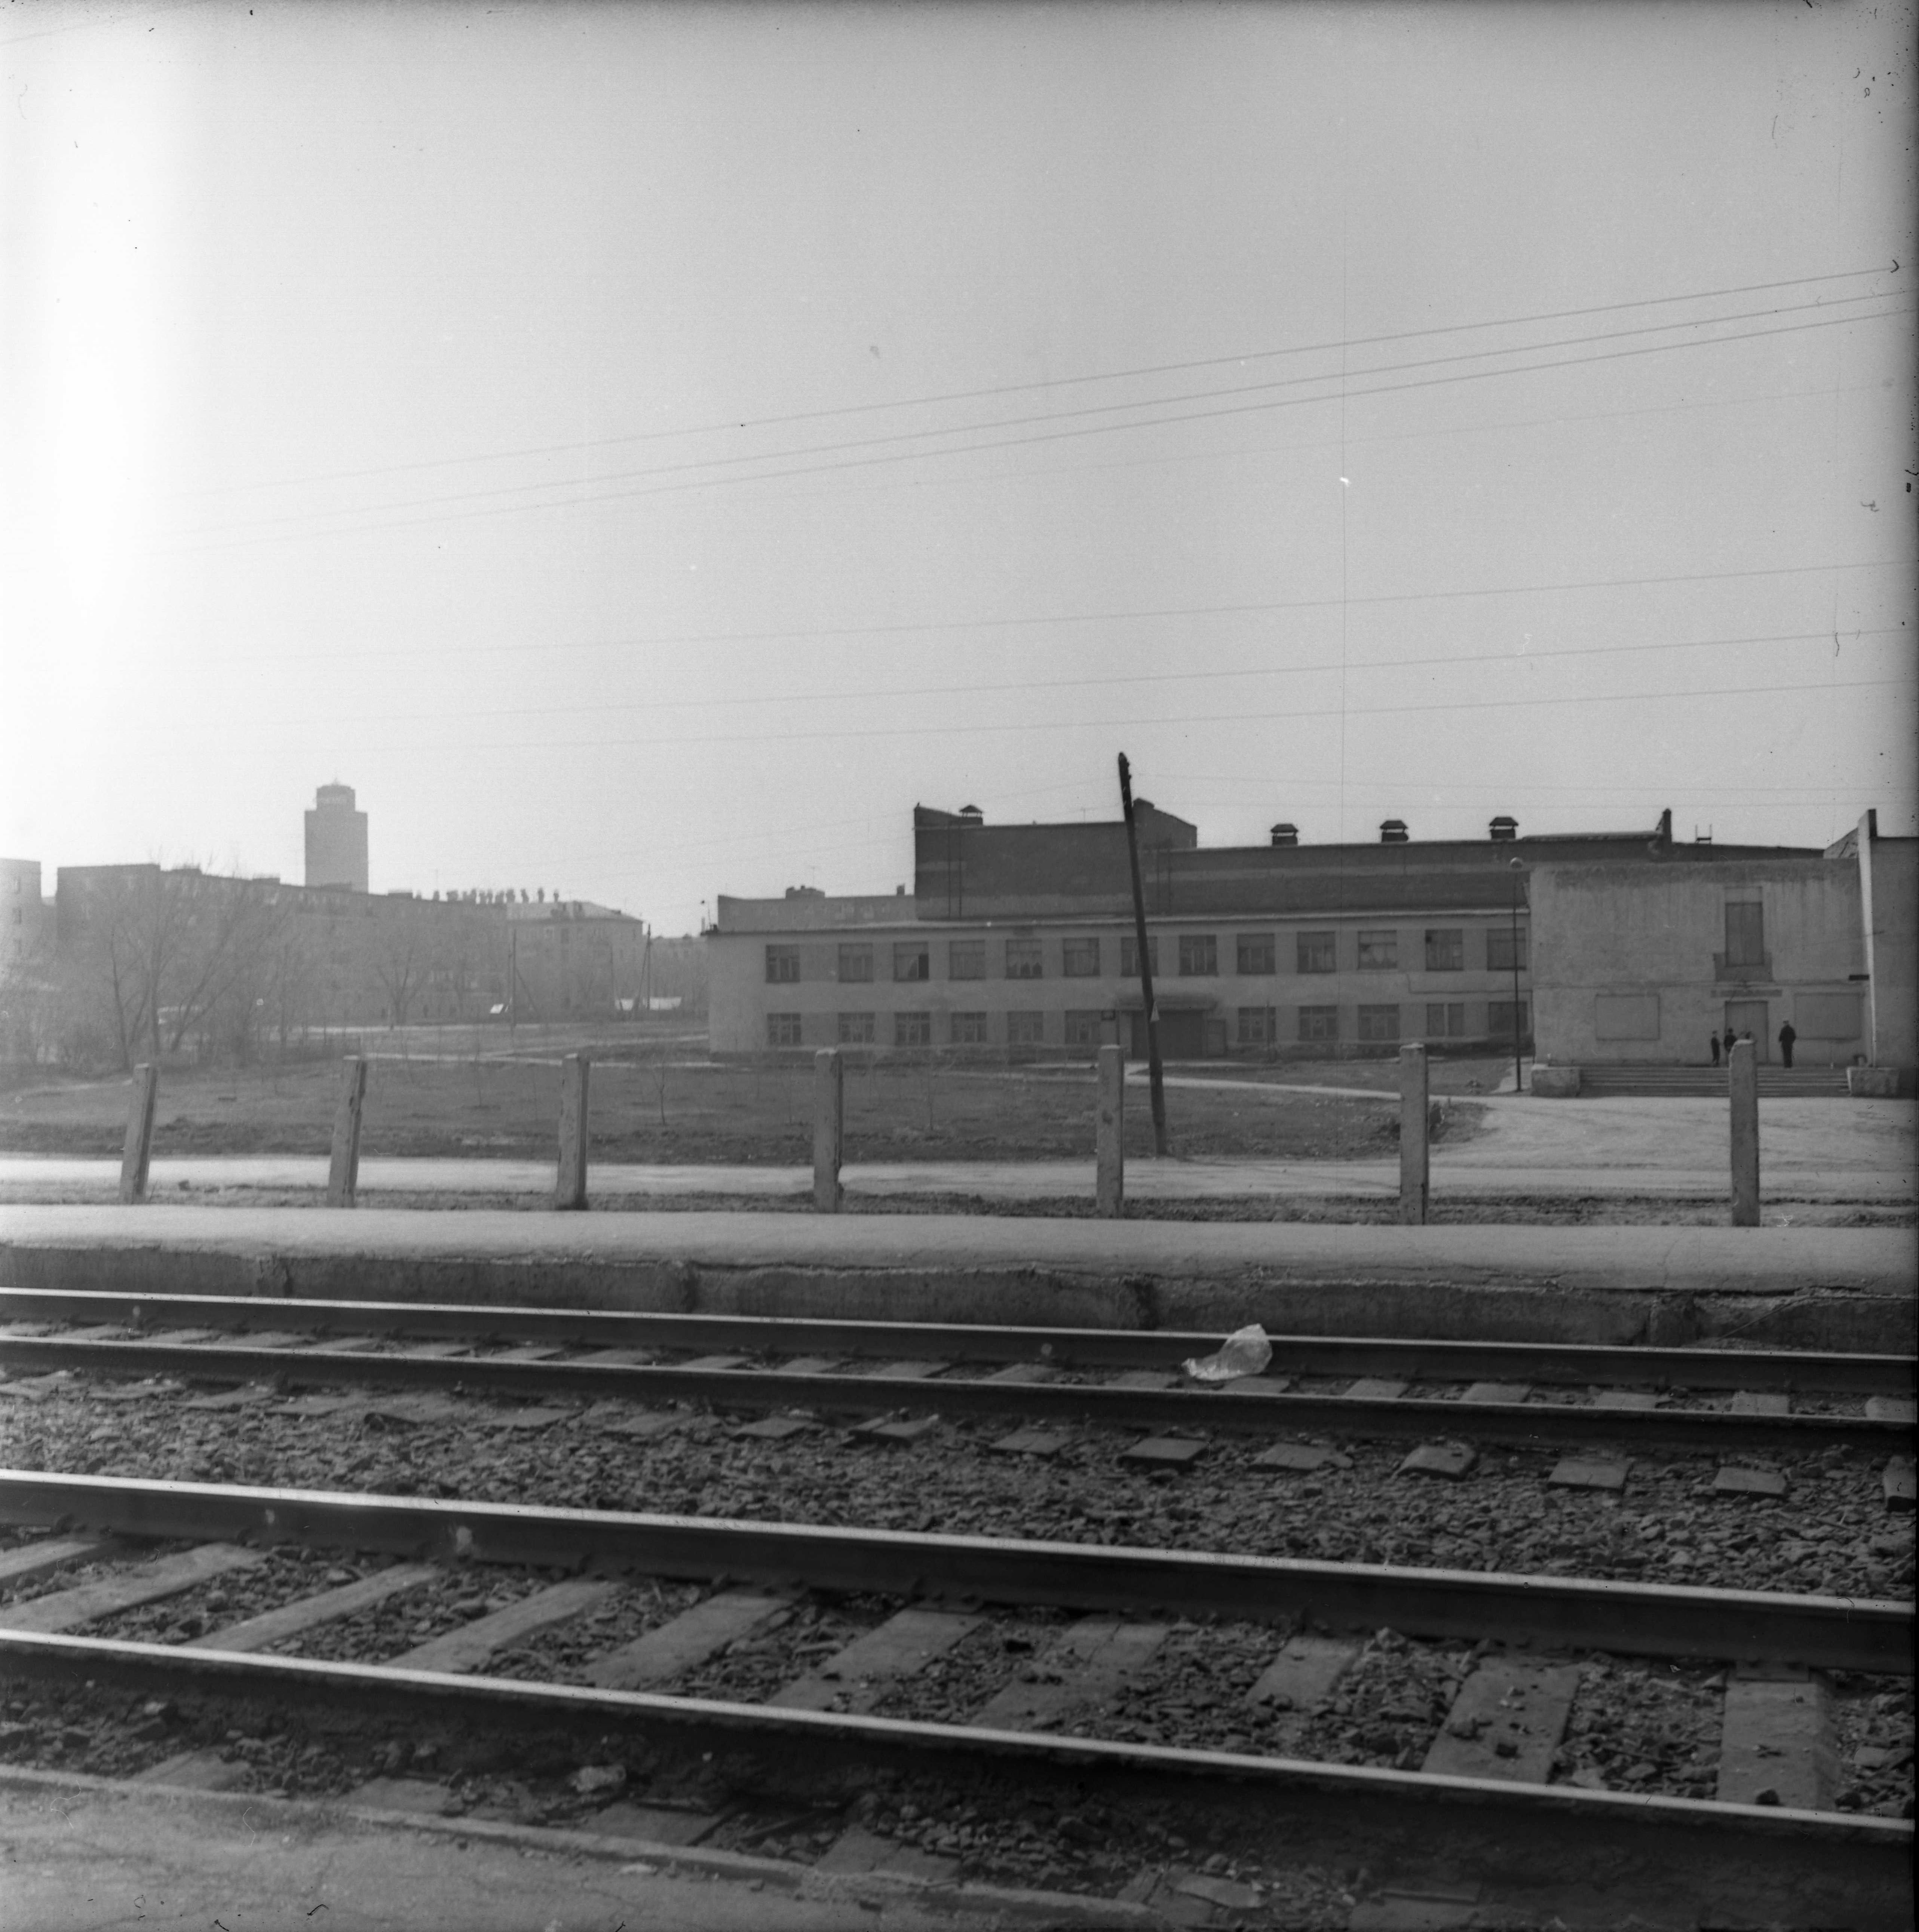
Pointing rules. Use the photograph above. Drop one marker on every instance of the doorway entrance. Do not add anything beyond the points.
(1749, 1016)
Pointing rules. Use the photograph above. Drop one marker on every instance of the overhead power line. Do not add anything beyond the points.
(707, 638)
(735, 424)
(946, 729)
(596, 491)
(1514, 660)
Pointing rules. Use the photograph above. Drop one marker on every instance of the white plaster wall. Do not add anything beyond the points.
(1654, 928)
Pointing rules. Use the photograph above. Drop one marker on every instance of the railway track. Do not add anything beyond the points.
(802, 1655)
(1501, 1393)
(825, 1693)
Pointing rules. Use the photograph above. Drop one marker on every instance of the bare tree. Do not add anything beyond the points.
(399, 964)
(158, 957)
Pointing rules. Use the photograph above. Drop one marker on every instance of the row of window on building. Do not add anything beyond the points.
(1089, 1027)
(1255, 955)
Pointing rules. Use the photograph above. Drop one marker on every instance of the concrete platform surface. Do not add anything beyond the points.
(1568, 1283)
(90, 1854)
(1760, 1261)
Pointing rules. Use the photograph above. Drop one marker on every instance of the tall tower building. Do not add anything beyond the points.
(336, 840)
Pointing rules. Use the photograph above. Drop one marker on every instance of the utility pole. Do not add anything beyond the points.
(1518, 868)
(1155, 1076)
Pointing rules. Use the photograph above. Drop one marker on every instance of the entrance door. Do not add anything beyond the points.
(1182, 1036)
(1749, 1016)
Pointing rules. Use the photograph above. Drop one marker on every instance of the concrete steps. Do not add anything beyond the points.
(1710, 1082)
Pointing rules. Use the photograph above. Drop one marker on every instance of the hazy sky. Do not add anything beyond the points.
(645, 450)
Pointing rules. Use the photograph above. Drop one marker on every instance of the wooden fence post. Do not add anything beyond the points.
(570, 1189)
(829, 1129)
(137, 1155)
(1743, 1084)
(1109, 1134)
(1414, 1171)
(343, 1176)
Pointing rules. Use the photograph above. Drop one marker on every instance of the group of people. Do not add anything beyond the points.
(1786, 1037)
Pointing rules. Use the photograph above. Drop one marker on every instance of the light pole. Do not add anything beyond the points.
(1518, 871)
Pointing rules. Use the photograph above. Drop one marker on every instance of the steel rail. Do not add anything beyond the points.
(1737, 1626)
(1868, 1857)
(1412, 1358)
(1225, 1410)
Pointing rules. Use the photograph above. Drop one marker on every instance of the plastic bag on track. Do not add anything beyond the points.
(1246, 1352)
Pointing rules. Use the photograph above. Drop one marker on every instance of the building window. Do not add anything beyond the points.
(1080, 959)
(856, 962)
(1379, 952)
(1505, 949)
(1256, 953)
(1379, 1023)
(1445, 950)
(1745, 934)
(782, 1029)
(1258, 1025)
(912, 959)
(1083, 1027)
(912, 1029)
(1129, 955)
(1445, 1019)
(1023, 961)
(1317, 954)
(1319, 1023)
(783, 965)
(1026, 1029)
(969, 1029)
(1199, 955)
(856, 1029)
(1499, 1019)
(966, 959)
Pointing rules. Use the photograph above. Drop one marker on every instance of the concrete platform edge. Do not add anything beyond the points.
(1004, 1904)
(1665, 1287)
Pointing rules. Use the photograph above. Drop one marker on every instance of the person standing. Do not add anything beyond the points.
(1786, 1037)
(1715, 1043)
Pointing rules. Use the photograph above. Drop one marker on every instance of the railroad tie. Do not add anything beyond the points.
(325, 1606)
(1482, 1392)
(1506, 1723)
(469, 1646)
(1088, 1665)
(858, 1677)
(1776, 1742)
(1761, 1402)
(1302, 1678)
(671, 1649)
(123, 1589)
(1377, 1388)
(33, 1561)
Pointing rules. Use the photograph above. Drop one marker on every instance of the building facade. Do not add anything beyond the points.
(25, 919)
(170, 961)
(1641, 960)
(336, 840)
(1019, 941)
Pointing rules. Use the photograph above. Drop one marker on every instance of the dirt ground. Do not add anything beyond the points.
(650, 1108)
